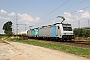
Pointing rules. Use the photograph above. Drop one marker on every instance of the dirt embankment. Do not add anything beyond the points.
(20, 51)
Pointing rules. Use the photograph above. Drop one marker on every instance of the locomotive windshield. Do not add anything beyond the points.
(67, 27)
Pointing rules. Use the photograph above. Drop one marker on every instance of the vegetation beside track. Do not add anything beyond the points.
(85, 52)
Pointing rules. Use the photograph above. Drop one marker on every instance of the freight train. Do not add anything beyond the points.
(57, 31)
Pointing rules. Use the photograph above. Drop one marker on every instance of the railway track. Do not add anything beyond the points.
(82, 44)
(77, 43)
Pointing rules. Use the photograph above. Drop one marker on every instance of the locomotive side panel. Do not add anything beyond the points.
(53, 31)
(30, 33)
(36, 32)
(45, 32)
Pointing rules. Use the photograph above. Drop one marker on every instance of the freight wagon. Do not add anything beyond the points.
(55, 31)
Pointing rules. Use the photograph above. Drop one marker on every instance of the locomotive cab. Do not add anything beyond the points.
(64, 31)
(67, 31)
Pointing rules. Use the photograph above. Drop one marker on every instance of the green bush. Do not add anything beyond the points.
(81, 32)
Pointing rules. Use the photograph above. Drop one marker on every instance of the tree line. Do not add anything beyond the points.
(79, 32)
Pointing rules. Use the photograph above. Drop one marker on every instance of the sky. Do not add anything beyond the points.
(37, 13)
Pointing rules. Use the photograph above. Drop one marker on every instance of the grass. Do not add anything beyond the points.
(1, 37)
(1, 40)
(85, 52)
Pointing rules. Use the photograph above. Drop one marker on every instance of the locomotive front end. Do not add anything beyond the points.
(67, 31)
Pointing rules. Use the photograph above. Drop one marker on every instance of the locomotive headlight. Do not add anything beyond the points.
(71, 33)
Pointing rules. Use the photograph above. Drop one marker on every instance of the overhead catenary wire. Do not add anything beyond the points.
(69, 7)
(78, 4)
(76, 11)
(80, 9)
(65, 2)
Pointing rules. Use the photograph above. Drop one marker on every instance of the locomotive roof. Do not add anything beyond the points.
(44, 26)
(51, 25)
(59, 23)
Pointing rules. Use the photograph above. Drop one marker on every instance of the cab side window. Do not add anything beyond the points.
(58, 27)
